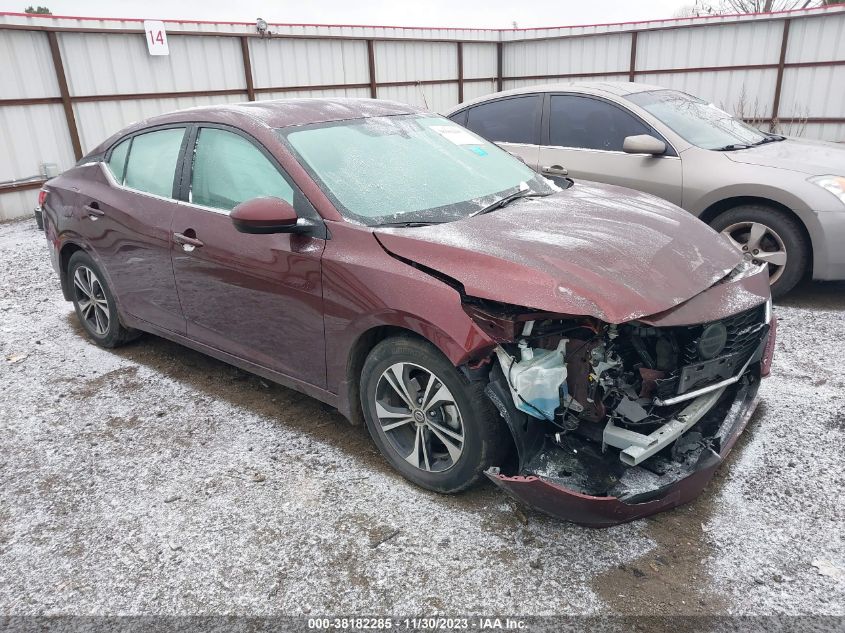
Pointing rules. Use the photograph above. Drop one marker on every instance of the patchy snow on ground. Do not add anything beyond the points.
(152, 479)
(781, 508)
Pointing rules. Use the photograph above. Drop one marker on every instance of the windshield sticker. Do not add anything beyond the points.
(479, 150)
(457, 135)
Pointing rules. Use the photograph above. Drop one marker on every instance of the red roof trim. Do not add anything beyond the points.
(819, 10)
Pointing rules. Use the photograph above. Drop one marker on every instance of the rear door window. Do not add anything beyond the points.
(511, 120)
(152, 161)
(588, 123)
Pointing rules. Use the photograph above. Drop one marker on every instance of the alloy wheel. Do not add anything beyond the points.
(91, 300)
(760, 244)
(419, 417)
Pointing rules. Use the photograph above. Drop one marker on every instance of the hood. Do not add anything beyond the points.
(596, 250)
(814, 158)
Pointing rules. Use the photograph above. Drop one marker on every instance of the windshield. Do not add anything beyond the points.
(409, 168)
(699, 122)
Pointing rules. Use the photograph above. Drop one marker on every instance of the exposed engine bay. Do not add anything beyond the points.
(619, 411)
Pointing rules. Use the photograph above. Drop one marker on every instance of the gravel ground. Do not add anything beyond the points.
(152, 479)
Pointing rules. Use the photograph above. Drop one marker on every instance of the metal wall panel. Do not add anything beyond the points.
(818, 92)
(510, 84)
(723, 45)
(361, 31)
(820, 131)
(475, 89)
(479, 60)
(31, 135)
(97, 120)
(358, 93)
(556, 57)
(416, 61)
(749, 93)
(670, 23)
(817, 39)
(436, 97)
(26, 68)
(18, 204)
(97, 63)
(278, 62)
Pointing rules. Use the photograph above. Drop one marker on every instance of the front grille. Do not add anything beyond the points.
(744, 335)
(745, 330)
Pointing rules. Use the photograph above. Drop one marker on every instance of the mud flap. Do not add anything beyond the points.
(564, 503)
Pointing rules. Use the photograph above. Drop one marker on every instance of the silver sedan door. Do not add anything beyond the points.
(584, 137)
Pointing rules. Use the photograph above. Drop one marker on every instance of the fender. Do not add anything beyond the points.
(744, 190)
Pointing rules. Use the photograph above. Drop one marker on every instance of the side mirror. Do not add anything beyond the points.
(643, 144)
(265, 215)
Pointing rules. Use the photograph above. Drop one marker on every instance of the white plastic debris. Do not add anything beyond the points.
(827, 568)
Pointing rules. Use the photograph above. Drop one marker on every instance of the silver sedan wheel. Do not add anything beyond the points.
(419, 417)
(760, 244)
(91, 299)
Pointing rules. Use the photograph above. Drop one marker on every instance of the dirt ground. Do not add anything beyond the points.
(154, 480)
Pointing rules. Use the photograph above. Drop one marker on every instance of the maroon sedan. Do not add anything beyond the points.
(592, 350)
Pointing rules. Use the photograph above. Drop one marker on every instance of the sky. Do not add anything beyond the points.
(442, 13)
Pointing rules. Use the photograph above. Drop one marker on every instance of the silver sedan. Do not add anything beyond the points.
(781, 201)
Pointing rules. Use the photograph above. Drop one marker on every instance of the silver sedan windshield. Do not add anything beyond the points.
(695, 120)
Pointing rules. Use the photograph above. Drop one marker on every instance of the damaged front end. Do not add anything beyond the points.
(613, 422)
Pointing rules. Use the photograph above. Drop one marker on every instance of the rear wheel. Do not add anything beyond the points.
(433, 425)
(94, 303)
(768, 236)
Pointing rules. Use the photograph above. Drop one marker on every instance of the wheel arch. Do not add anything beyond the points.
(349, 395)
(349, 388)
(726, 204)
(66, 252)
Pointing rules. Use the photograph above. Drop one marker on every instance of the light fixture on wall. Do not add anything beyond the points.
(261, 25)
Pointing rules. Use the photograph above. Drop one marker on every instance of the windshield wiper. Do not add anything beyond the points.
(772, 138)
(409, 223)
(523, 193)
(733, 147)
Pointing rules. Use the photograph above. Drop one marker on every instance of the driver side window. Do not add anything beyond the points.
(587, 123)
(228, 169)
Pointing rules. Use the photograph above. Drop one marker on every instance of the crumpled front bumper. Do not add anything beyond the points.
(569, 505)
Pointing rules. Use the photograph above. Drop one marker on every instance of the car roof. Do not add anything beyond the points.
(615, 88)
(253, 116)
(287, 112)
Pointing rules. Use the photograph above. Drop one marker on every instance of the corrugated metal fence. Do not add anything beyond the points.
(68, 83)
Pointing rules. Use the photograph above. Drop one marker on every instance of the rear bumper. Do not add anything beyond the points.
(562, 503)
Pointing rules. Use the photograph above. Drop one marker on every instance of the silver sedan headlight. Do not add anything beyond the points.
(833, 184)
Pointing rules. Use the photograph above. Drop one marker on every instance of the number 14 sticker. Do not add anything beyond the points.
(156, 37)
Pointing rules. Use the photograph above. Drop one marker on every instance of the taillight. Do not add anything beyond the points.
(42, 197)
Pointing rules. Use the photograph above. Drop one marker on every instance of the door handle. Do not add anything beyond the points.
(93, 211)
(556, 170)
(188, 243)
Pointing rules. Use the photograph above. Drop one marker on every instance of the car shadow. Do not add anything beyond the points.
(218, 380)
(823, 295)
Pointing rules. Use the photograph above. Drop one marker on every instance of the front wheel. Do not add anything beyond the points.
(434, 426)
(768, 236)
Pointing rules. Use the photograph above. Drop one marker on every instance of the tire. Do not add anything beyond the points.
(99, 318)
(779, 227)
(485, 439)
